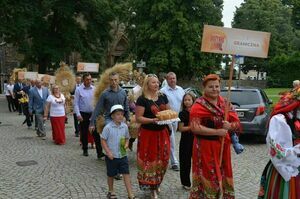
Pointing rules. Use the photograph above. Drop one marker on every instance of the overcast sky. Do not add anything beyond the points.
(228, 11)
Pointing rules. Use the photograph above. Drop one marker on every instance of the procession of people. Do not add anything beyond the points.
(205, 145)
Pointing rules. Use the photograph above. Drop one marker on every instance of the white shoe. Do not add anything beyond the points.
(186, 187)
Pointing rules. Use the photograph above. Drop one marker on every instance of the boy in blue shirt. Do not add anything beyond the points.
(114, 140)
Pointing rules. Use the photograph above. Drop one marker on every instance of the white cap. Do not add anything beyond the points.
(116, 107)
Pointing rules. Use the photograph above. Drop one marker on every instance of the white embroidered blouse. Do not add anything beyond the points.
(284, 155)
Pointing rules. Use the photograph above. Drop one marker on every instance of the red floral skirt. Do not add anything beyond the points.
(58, 129)
(153, 153)
(206, 171)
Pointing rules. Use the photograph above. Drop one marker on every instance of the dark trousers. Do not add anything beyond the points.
(10, 102)
(26, 113)
(84, 129)
(97, 140)
(35, 121)
(76, 124)
(17, 104)
(185, 157)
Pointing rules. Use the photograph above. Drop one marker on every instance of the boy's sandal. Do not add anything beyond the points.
(111, 196)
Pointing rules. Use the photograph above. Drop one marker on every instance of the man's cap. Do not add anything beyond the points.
(116, 107)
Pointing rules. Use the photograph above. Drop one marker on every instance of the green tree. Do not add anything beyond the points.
(284, 70)
(269, 16)
(295, 6)
(48, 31)
(168, 35)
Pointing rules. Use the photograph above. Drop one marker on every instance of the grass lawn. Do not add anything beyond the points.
(272, 93)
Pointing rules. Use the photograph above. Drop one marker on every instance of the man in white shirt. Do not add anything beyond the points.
(83, 107)
(175, 94)
(9, 93)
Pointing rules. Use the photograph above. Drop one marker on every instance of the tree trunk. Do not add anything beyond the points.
(43, 63)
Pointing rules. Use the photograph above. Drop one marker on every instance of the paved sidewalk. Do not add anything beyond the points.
(62, 171)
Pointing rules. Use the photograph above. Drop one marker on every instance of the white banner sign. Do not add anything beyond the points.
(31, 75)
(87, 67)
(235, 41)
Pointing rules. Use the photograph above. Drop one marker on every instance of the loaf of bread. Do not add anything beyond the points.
(167, 115)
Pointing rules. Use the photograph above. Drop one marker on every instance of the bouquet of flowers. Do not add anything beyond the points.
(24, 99)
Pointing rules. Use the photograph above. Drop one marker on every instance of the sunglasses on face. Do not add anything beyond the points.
(152, 75)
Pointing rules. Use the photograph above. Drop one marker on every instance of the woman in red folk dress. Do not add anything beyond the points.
(153, 149)
(281, 176)
(209, 127)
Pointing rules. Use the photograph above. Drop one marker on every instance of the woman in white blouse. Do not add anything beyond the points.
(57, 108)
(281, 177)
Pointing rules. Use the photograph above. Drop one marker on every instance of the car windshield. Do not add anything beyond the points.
(243, 97)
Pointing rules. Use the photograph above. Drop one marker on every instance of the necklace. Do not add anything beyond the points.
(153, 97)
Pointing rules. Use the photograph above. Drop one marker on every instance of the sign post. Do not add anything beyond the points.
(233, 42)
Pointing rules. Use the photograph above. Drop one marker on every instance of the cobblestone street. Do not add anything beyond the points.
(63, 172)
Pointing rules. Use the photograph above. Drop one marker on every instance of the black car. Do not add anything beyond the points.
(253, 108)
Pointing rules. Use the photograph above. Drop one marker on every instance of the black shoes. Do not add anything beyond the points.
(175, 167)
(85, 153)
(101, 156)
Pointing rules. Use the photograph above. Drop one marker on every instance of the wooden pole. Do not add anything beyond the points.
(226, 117)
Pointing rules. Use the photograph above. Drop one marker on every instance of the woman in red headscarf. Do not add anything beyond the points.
(211, 176)
(281, 178)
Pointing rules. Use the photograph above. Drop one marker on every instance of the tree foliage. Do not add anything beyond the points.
(168, 34)
(284, 70)
(48, 31)
(269, 16)
(295, 6)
